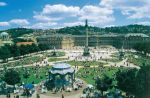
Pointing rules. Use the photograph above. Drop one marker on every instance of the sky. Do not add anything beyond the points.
(46, 14)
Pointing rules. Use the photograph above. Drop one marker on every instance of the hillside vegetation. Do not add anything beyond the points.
(80, 30)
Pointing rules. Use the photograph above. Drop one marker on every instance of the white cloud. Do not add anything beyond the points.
(60, 9)
(96, 15)
(52, 13)
(59, 13)
(143, 23)
(3, 4)
(140, 12)
(4, 23)
(133, 9)
(20, 22)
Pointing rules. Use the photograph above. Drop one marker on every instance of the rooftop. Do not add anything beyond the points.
(136, 34)
(61, 68)
(24, 43)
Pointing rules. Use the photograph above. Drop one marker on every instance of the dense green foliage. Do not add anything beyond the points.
(15, 51)
(103, 84)
(136, 82)
(129, 29)
(12, 77)
(5, 53)
(15, 40)
(143, 47)
(80, 30)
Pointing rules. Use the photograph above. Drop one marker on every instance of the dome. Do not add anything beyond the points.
(61, 68)
(4, 34)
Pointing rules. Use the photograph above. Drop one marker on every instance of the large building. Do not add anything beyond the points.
(132, 38)
(70, 41)
(57, 41)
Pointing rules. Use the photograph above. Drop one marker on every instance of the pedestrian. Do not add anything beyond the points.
(62, 96)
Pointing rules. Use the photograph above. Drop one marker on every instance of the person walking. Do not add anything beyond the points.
(62, 96)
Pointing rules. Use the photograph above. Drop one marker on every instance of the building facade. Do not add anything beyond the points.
(70, 41)
(57, 41)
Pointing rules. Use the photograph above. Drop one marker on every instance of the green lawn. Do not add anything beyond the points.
(24, 61)
(90, 74)
(112, 60)
(42, 71)
(85, 63)
(54, 59)
(142, 59)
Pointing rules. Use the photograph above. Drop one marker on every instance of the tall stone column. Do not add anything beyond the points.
(86, 49)
(86, 29)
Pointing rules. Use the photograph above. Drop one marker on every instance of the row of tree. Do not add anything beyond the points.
(15, 51)
(80, 30)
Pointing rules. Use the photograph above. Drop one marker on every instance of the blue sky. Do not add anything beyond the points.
(46, 14)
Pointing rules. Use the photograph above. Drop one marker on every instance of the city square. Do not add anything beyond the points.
(74, 49)
(101, 62)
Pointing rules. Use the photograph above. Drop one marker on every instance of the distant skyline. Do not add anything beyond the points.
(44, 14)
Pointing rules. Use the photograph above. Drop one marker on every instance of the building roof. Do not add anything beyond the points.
(55, 35)
(61, 68)
(61, 65)
(136, 35)
(109, 35)
(24, 43)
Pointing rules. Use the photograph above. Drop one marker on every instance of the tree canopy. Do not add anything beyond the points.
(135, 82)
(12, 77)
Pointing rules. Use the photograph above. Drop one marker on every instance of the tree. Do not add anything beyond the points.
(26, 74)
(135, 82)
(12, 77)
(15, 51)
(23, 50)
(4, 53)
(103, 84)
(43, 47)
(34, 48)
(143, 78)
(142, 47)
(126, 80)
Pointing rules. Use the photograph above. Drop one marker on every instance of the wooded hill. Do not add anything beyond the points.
(80, 30)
